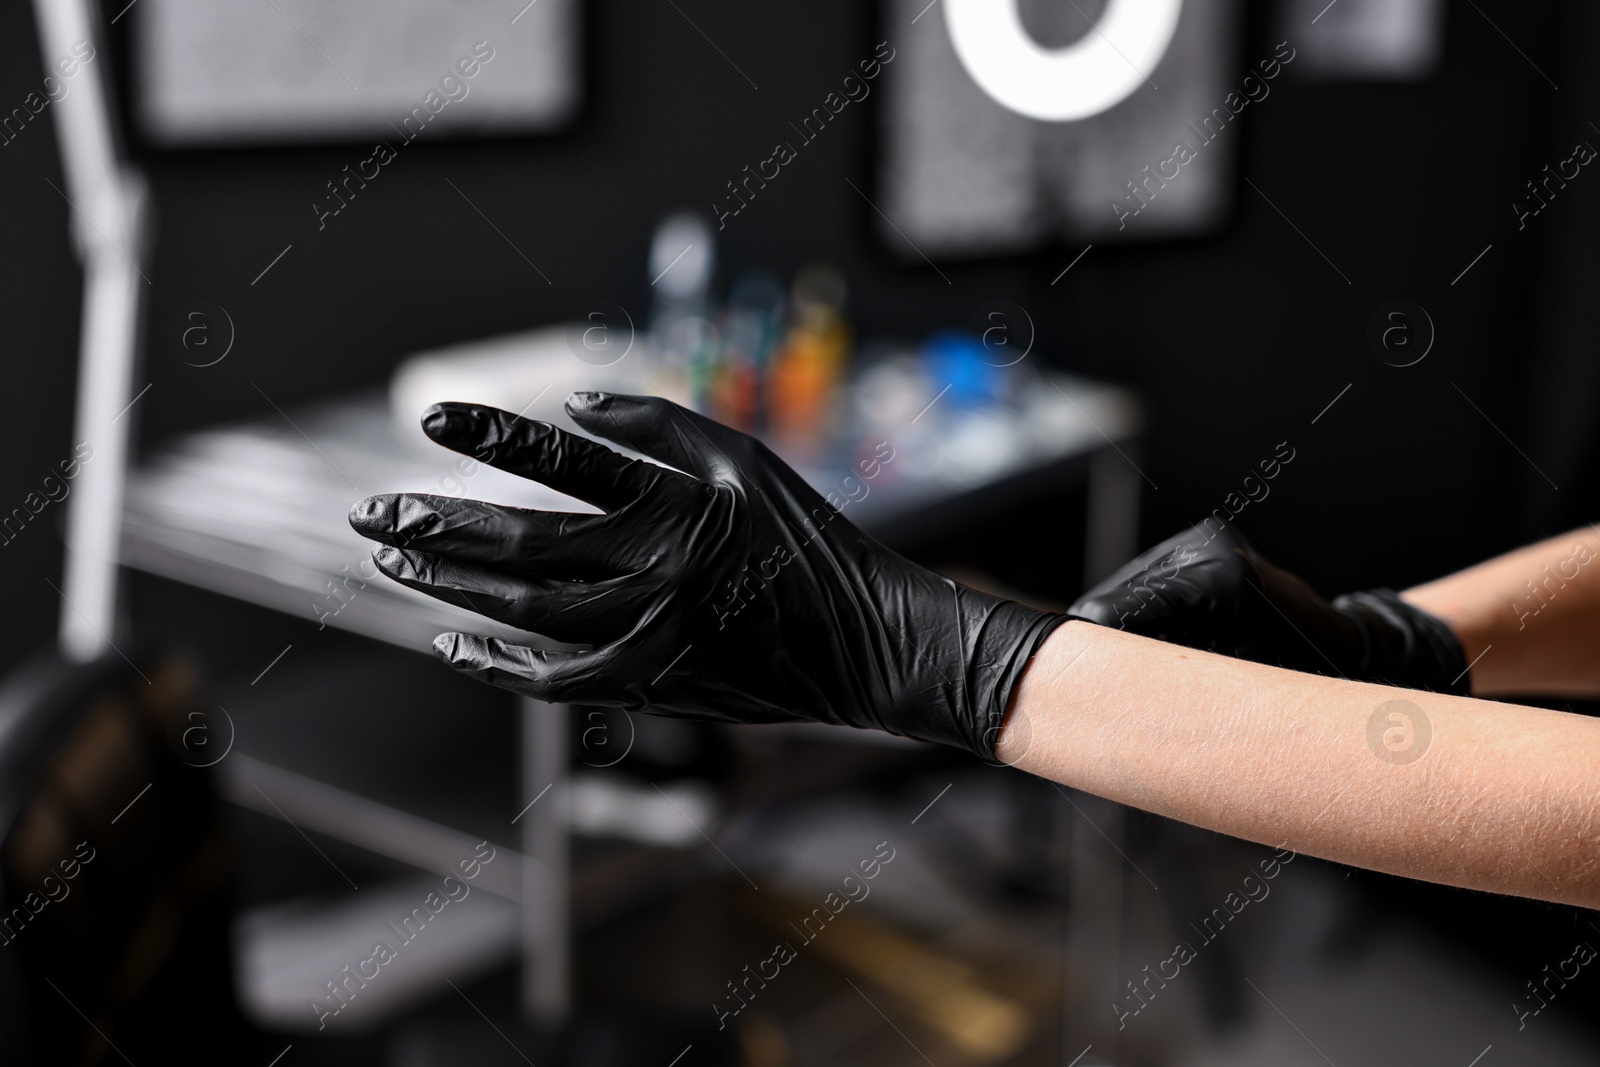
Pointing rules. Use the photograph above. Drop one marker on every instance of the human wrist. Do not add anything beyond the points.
(1021, 736)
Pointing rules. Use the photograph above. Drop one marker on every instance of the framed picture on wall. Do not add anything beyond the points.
(969, 167)
(276, 71)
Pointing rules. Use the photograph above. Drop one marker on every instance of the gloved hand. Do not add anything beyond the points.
(731, 591)
(1219, 595)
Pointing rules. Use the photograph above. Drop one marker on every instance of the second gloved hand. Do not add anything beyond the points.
(730, 591)
(1218, 594)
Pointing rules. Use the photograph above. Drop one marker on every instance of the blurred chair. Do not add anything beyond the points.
(114, 870)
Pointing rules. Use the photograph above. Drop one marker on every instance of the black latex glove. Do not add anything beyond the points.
(1217, 594)
(731, 591)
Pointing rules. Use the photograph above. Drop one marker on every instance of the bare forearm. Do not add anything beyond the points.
(1529, 620)
(1485, 796)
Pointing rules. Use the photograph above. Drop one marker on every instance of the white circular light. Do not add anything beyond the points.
(1085, 78)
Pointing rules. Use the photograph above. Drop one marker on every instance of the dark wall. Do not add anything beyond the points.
(1238, 341)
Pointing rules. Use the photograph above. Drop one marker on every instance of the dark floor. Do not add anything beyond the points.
(953, 959)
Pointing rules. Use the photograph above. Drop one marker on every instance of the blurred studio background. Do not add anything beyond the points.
(1019, 336)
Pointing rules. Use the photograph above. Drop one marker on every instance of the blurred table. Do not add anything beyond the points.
(256, 511)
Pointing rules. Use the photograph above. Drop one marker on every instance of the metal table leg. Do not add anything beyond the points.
(546, 960)
(1113, 512)
(1098, 870)
(1093, 962)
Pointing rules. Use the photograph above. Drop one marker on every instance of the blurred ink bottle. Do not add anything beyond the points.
(682, 266)
(960, 361)
(809, 364)
(752, 328)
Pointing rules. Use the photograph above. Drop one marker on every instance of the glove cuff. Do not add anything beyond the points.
(1000, 645)
(1404, 645)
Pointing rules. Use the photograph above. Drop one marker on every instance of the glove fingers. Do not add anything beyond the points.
(539, 451)
(565, 611)
(514, 539)
(556, 677)
(1119, 600)
(658, 428)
